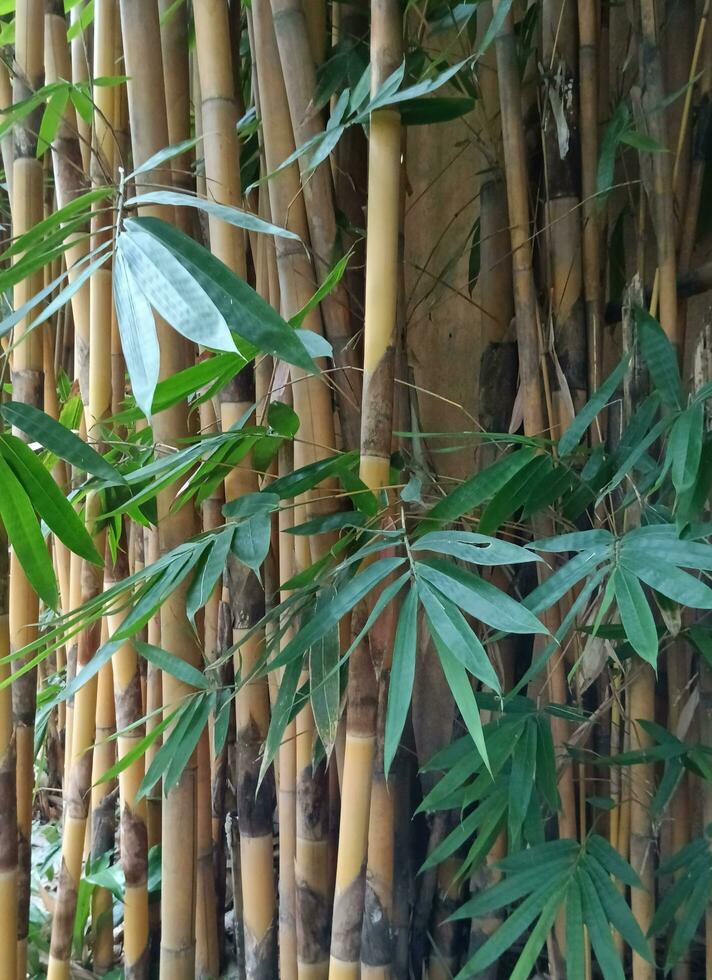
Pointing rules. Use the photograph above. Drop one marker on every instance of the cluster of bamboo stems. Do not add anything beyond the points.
(342, 904)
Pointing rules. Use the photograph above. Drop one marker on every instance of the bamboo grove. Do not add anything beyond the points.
(355, 463)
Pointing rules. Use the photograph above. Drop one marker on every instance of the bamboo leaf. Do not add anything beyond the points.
(400, 687)
(48, 500)
(672, 582)
(598, 401)
(660, 357)
(480, 487)
(575, 960)
(139, 340)
(685, 446)
(636, 617)
(251, 540)
(478, 549)
(242, 308)
(521, 783)
(617, 911)
(232, 216)
(687, 924)
(537, 937)
(325, 686)
(479, 598)
(456, 634)
(598, 928)
(23, 531)
(170, 664)
(173, 292)
(281, 714)
(209, 569)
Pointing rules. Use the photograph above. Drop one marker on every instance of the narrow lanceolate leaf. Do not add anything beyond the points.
(139, 340)
(575, 962)
(507, 934)
(23, 531)
(599, 929)
(522, 776)
(672, 582)
(52, 435)
(232, 216)
(281, 713)
(173, 291)
(612, 861)
(172, 665)
(245, 312)
(325, 686)
(537, 937)
(636, 616)
(47, 499)
(461, 687)
(209, 569)
(480, 487)
(477, 549)
(479, 598)
(598, 401)
(660, 357)
(400, 687)
(685, 446)
(616, 909)
(456, 634)
(687, 924)
(343, 601)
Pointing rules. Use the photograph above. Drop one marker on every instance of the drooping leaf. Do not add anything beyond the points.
(139, 340)
(636, 615)
(400, 686)
(598, 401)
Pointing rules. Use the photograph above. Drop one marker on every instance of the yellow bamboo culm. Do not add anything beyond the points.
(27, 386)
(140, 28)
(366, 827)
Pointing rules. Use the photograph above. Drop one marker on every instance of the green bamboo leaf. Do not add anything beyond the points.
(617, 911)
(480, 487)
(325, 686)
(170, 664)
(251, 504)
(230, 215)
(138, 750)
(59, 440)
(537, 937)
(292, 484)
(598, 540)
(478, 549)
(343, 601)
(540, 855)
(246, 312)
(251, 540)
(522, 776)
(546, 764)
(660, 357)
(479, 598)
(209, 569)
(507, 934)
(23, 531)
(282, 713)
(459, 683)
(558, 583)
(598, 401)
(455, 633)
(671, 581)
(163, 156)
(172, 291)
(514, 493)
(400, 686)
(48, 500)
(139, 340)
(575, 960)
(685, 446)
(611, 860)
(509, 890)
(329, 522)
(636, 616)
(695, 908)
(334, 277)
(598, 928)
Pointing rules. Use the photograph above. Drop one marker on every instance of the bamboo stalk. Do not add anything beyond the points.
(8, 804)
(149, 133)
(27, 386)
(291, 25)
(134, 837)
(366, 827)
(102, 819)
